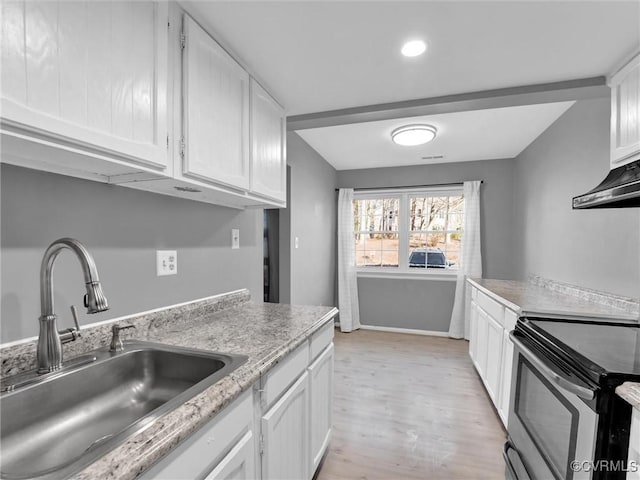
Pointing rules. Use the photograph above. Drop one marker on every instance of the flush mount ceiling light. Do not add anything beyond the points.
(414, 48)
(411, 135)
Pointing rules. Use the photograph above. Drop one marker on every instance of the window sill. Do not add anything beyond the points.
(449, 276)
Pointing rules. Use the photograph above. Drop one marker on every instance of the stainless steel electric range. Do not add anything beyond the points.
(565, 420)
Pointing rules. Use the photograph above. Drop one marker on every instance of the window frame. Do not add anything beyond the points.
(403, 270)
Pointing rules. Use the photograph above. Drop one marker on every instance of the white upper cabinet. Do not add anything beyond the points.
(216, 111)
(268, 144)
(89, 77)
(625, 114)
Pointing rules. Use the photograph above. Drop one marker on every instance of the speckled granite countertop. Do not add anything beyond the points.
(225, 323)
(553, 298)
(630, 391)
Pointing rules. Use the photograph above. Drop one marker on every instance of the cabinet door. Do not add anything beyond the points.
(286, 436)
(625, 114)
(238, 464)
(268, 163)
(216, 111)
(88, 74)
(494, 357)
(634, 446)
(473, 331)
(505, 377)
(321, 398)
(481, 344)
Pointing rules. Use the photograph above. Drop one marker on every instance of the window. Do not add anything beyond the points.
(414, 231)
(376, 230)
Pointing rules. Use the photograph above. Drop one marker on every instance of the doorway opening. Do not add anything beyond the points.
(271, 264)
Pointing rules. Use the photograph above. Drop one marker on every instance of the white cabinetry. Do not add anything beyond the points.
(296, 418)
(625, 113)
(84, 87)
(320, 400)
(494, 357)
(285, 454)
(215, 111)
(491, 348)
(510, 319)
(137, 94)
(634, 446)
(239, 463)
(281, 433)
(222, 449)
(268, 140)
(230, 147)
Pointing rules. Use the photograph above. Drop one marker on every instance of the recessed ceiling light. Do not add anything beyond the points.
(414, 48)
(411, 135)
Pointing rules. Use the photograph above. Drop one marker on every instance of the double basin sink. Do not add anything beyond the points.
(54, 425)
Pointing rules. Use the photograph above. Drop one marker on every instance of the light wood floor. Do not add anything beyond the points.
(410, 407)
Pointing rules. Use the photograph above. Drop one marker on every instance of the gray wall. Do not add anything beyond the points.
(598, 249)
(406, 303)
(312, 217)
(426, 304)
(122, 228)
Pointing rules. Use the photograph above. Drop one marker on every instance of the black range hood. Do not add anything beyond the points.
(621, 189)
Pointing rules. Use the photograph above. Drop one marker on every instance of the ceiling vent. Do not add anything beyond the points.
(433, 157)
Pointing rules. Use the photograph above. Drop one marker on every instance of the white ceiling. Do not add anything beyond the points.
(475, 135)
(316, 56)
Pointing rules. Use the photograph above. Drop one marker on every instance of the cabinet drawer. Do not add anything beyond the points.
(321, 339)
(510, 319)
(493, 308)
(284, 374)
(200, 453)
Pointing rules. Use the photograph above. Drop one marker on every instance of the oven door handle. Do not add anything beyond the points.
(514, 464)
(568, 385)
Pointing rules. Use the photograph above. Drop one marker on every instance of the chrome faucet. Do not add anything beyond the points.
(49, 349)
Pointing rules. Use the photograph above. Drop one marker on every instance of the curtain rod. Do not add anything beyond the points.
(457, 184)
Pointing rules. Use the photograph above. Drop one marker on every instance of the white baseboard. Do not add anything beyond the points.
(431, 333)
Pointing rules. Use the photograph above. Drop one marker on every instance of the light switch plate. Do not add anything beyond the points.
(166, 262)
(235, 238)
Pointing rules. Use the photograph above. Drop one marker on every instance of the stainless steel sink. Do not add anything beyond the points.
(56, 424)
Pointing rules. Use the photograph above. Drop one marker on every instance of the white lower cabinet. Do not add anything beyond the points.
(494, 357)
(285, 434)
(239, 463)
(277, 430)
(222, 449)
(481, 341)
(491, 348)
(634, 447)
(320, 405)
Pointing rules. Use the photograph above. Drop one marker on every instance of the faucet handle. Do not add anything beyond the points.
(74, 314)
(71, 334)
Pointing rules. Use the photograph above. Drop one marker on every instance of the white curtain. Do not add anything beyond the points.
(347, 281)
(470, 260)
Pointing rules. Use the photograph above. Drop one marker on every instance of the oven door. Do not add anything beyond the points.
(550, 427)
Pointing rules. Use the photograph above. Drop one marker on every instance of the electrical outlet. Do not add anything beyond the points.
(166, 262)
(235, 238)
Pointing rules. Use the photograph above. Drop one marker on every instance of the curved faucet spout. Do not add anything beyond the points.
(49, 350)
(95, 300)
